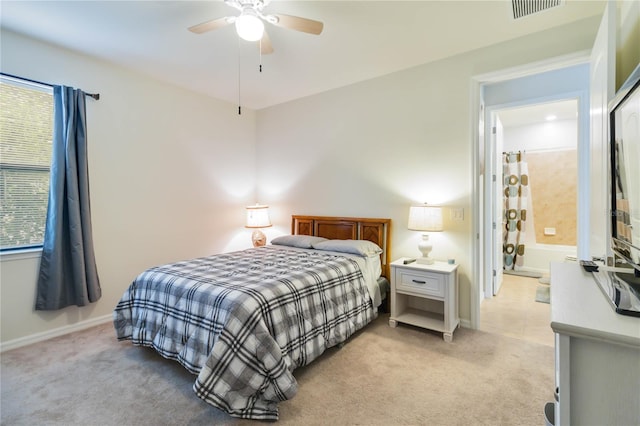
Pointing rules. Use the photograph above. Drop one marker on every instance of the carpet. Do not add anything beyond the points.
(543, 293)
(382, 376)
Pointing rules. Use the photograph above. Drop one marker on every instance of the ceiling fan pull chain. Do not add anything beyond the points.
(239, 105)
(260, 50)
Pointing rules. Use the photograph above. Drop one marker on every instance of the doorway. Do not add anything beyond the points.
(543, 137)
(562, 79)
(588, 77)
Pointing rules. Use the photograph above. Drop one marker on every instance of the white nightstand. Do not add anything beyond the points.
(425, 296)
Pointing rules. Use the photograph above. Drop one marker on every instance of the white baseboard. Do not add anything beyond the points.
(465, 323)
(61, 331)
(50, 334)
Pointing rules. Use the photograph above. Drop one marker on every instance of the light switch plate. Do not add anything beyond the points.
(457, 214)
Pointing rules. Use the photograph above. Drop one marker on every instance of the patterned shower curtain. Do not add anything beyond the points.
(516, 194)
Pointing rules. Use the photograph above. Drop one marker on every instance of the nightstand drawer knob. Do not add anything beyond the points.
(419, 282)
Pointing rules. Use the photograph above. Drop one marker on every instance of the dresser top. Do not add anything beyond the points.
(580, 308)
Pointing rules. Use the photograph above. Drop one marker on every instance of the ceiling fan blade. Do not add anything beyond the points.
(299, 24)
(265, 44)
(214, 24)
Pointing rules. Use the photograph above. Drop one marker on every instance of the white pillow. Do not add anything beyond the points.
(360, 247)
(299, 241)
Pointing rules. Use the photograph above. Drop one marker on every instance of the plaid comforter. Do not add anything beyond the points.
(244, 321)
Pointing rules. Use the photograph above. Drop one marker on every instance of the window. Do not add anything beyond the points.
(26, 133)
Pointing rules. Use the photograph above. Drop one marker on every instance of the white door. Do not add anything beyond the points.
(497, 142)
(602, 85)
(483, 255)
(488, 207)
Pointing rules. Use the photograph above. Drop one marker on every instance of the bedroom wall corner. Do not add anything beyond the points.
(628, 40)
(170, 173)
(374, 148)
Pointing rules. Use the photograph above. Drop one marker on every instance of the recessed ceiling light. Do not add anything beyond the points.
(550, 117)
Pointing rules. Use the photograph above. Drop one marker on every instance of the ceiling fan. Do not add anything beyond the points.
(249, 24)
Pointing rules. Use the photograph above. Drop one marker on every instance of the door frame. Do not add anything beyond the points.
(482, 255)
(492, 113)
(495, 198)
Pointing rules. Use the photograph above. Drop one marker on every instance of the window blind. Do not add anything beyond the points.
(26, 132)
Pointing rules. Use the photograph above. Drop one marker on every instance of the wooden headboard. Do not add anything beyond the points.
(348, 228)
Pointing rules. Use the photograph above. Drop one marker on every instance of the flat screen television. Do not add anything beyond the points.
(624, 120)
(624, 116)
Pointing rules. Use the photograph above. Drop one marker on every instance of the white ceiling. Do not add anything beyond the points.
(361, 39)
(539, 113)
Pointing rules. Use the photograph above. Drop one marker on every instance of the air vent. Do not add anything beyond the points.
(522, 8)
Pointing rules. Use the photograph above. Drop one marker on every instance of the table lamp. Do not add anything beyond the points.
(428, 219)
(258, 217)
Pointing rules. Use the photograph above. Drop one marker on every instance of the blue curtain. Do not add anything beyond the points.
(68, 273)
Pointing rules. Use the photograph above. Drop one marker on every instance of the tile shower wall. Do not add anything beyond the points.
(554, 178)
(551, 153)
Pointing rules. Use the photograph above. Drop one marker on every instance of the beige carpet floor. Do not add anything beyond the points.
(382, 376)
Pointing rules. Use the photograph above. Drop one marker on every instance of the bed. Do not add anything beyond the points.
(244, 321)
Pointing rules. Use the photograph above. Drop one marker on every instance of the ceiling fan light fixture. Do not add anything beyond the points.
(249, 26)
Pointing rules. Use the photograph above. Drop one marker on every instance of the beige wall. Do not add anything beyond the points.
(627, 40)
(554, 180)
(171, 170)
(170, 173)
(375, 148)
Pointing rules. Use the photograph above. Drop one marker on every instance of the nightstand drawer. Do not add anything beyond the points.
(423, 283)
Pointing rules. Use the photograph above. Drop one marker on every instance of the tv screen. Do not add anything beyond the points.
(624, 115)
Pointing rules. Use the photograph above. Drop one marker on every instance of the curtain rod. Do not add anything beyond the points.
(95, 96)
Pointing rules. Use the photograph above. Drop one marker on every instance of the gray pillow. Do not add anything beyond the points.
(361, 247)
(299, 241)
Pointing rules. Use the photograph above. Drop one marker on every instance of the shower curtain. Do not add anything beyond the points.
(516, 194)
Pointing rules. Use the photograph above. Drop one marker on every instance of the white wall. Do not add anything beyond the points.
(627, 40)
(171, 170)
(374, 148)
(556, 135)
(170, 173)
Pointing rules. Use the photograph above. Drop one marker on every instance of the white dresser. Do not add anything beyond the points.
(597, 353)
(425, 296)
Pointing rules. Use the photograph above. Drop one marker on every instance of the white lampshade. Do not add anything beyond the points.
(258, 217)
(249, 26)
(425, 218)
(428, 219)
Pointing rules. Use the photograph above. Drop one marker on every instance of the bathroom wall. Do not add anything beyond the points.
(553, 179)
(551, 153)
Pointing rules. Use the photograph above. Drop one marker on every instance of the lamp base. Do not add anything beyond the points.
(424, 261)
(258, 238)
(425, 248)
